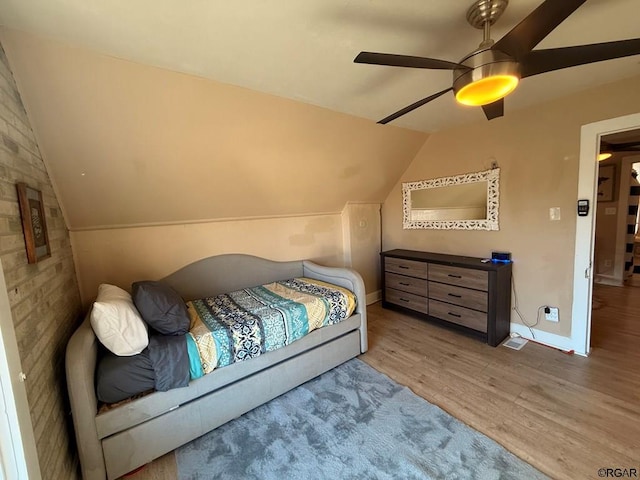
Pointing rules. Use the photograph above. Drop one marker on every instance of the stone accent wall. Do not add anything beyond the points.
(44, 297)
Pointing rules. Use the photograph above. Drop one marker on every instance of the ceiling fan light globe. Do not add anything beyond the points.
(487, 90)
(490, 76)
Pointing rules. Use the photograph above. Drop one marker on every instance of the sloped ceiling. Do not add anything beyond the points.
(128, 144)
(168, 112)
(303, 50)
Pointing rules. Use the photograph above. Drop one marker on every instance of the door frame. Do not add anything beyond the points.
(17, 443)
(585, 226)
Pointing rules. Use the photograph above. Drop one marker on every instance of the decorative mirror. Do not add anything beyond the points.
(462, 202)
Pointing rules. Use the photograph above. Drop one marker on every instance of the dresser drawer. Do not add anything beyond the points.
(406, 267)
(459, 315)
(408, 300)
(460, 296)
(406, 284)
(464, 277)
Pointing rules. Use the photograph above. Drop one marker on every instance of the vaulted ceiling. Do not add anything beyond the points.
(159, 111)
(128, 144)
(304, 50)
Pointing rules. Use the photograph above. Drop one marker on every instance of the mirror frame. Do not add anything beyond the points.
(492, 177)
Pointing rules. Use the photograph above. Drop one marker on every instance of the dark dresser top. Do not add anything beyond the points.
(445, 259)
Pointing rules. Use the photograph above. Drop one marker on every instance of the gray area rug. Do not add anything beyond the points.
(351, 422)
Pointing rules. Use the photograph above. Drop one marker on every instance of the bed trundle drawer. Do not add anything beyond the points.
(407, 300)
(204, 414)
(143, 409)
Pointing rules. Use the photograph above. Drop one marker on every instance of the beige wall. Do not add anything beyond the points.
(43, 297)
(537, 151)
(130, 144)
(123, 255)
(156, 169)
(362, 236)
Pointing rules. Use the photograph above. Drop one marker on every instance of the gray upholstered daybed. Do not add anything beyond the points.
(113, 443)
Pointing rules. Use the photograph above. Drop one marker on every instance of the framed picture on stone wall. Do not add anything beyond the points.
(34, 223)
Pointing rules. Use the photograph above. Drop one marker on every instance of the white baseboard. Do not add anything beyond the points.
(550, 339)
(374, 297)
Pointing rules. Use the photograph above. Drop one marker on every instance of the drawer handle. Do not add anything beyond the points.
(404, 299)
(403, 266)
(455, 315)
(454, 295)
(455, 276)
(405, 284)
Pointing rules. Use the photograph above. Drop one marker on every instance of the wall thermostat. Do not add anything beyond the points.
(583, 208)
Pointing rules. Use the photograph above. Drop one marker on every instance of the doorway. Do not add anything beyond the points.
(615, 301)
(615, 230)
(591, 135)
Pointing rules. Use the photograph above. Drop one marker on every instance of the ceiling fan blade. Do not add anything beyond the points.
(494, 110)
(413, 106)
(619, 147)
(627, 146)
(536, 26)
(541, 61)
(393, 60)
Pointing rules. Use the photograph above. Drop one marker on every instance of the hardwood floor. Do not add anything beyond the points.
(566, 415)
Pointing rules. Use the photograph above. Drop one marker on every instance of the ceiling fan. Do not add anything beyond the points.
(488, 74)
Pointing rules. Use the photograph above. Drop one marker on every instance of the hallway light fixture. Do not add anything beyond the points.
(605, 151)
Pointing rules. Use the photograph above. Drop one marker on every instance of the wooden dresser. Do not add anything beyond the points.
(459, 292)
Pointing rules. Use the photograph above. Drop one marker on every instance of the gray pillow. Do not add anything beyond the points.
(161, 307)
(118, 378)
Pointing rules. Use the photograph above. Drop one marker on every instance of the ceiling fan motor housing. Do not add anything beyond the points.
(485, 64)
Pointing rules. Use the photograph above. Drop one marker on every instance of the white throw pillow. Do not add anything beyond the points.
(117, 323)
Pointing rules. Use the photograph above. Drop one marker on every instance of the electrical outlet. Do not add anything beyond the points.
(553, 315)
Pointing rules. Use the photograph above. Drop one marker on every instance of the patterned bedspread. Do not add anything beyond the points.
(244, 324)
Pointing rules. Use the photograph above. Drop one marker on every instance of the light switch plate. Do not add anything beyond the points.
(554, 213)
